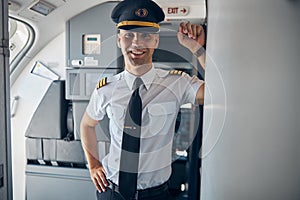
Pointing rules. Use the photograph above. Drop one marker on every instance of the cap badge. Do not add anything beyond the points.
(141, 12)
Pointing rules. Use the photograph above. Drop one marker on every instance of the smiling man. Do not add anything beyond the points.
(142, 103)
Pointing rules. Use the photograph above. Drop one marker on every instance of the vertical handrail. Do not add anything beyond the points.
(6, 192)
(14, 106)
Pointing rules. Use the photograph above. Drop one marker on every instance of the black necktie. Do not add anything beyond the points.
(131, 144)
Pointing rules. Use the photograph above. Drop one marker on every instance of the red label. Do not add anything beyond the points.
(173, 10)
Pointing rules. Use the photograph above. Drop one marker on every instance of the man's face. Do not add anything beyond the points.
(137, 47)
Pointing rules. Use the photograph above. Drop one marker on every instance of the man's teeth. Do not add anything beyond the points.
(137, 52)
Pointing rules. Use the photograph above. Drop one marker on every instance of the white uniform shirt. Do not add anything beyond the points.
(162, 95)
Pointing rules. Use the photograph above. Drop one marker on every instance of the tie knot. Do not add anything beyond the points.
(137, 83)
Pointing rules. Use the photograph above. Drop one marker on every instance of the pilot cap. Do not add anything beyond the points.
(141, 15)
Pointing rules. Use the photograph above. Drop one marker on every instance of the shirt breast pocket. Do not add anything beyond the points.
(161, 117)
(116, 115)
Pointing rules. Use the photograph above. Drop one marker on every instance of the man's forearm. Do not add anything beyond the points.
(89, 144)
(201, 60)
(200, 54)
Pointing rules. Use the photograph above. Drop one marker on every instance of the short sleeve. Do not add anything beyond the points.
(192, 87)
(95, 108)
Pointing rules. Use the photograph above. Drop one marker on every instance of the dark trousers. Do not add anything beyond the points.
(109, 194)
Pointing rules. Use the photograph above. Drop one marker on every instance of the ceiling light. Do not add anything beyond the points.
(42, 7)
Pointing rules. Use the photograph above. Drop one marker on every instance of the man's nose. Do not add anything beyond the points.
(136, 39)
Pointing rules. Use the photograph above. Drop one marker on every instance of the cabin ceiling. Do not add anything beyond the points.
(63, 8)
(47, 27)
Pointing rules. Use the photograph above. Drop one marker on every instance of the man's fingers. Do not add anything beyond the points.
(199, 30)
(183, 28)
(99, 179)
(201, 36)
(194, 28)
(97, 185)
(102, 175)
(191, 30)
(180, 28)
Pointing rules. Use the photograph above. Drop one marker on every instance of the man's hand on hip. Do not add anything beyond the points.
(98, 176)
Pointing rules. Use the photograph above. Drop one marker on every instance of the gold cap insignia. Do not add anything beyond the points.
(141, 12)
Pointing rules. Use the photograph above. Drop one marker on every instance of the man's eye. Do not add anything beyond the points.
(129, 35)
(146, 36)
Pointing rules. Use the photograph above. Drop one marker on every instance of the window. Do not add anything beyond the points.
(21, 37)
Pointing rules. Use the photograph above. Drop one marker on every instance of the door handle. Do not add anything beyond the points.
(14, 106)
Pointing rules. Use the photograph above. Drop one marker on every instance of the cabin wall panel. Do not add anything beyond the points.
(251, 125)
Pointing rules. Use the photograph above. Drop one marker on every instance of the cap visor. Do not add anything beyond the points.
(141, 29)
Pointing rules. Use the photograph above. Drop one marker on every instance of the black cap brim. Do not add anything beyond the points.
(140, 29)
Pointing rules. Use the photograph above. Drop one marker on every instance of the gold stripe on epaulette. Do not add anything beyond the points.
(175, 72)
(102, 82)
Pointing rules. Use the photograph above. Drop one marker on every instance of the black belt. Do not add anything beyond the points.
(149, 192)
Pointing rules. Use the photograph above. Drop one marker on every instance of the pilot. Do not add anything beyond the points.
(142, 103)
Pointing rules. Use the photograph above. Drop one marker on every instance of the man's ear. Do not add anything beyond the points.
(156, 41)
(119, 40)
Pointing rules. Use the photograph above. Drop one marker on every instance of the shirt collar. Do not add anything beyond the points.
(147, 78)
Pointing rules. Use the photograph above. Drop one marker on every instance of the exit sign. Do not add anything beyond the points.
(176, 10)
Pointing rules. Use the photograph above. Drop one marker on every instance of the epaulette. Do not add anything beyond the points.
(101, 83)
(175, 72)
